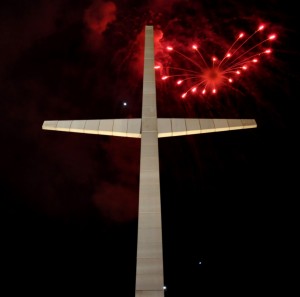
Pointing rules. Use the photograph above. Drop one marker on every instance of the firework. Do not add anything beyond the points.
(207, 75)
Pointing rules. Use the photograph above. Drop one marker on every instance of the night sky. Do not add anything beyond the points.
(69, 201)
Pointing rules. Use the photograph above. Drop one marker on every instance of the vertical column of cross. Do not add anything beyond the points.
(149, 267)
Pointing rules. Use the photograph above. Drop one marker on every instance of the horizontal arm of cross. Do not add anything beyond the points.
(166, 127)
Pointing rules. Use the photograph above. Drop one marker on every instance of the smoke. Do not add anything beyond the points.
(165, 5)
(116, 196)
(116, 202)
(52, 74)
(97, 17)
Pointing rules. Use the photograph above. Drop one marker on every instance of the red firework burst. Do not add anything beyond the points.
(207, 76)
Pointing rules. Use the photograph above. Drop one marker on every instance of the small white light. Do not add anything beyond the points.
(164, 287)
(124, 103)
(200, 263)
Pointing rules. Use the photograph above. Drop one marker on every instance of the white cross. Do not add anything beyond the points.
(149, 264)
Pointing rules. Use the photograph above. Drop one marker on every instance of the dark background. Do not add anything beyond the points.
(69, 201)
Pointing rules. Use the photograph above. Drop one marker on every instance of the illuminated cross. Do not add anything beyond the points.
(149, 263)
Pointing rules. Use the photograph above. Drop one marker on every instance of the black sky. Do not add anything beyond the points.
(69, 201)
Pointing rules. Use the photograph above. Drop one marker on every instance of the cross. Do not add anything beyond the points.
(149, 260)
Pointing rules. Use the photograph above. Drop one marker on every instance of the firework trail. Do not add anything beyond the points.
(207, 76)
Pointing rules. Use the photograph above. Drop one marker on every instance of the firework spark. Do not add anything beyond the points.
(206, 76)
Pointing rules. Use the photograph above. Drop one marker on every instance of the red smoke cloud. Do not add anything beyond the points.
(116, 202)
(99, 15)
(117, 196)
(96, 18)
